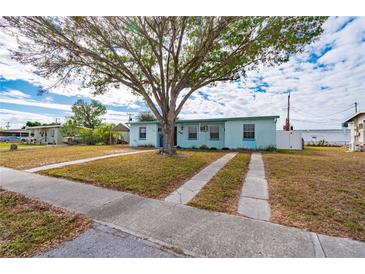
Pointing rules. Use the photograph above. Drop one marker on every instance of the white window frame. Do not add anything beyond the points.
(249, 131)
(210, 132)
(196, 132)
(139, 133)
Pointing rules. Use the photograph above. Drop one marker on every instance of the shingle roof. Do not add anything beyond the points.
(121, 127)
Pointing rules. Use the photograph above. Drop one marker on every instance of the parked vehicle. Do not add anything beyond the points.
(18, 139)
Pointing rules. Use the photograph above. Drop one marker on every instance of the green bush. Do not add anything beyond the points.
(104, 134)
(87, 136)
(204, 147)
(270, 148)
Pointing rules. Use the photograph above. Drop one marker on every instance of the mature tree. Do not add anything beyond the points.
(146, 116)
(88, 114)
(163, 59)
(105, 134)
(70, 129)
(36, 123)
(33, 124)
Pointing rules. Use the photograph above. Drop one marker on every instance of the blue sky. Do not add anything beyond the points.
(324, 82)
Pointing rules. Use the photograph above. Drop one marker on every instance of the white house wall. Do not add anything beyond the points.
(265, 134)
(151, 135)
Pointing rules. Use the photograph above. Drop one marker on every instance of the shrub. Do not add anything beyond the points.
(146, 145)
(204, 147)
(213, 148)
(87, 136)
(270, 148)
(225, 148)
(104, 134)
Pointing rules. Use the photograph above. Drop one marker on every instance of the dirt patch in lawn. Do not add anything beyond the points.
(223, 191)
(319, 189)
(35, 157)
(29, 227)
(149, 174)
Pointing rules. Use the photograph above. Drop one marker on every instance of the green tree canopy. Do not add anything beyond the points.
(88, 114)
(146, 116)
(162, 59)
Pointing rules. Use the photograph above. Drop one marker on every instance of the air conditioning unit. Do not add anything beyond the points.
(204, 128)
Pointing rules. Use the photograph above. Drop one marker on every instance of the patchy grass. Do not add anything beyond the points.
(28, 227)
(21, 146)
(45, 155)
(319, 189)
(223, 191)
(148, 174)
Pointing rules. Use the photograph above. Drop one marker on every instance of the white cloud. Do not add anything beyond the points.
(15, 94)
(342, 80)
(317, 91)
(17, 98)
(18, 118)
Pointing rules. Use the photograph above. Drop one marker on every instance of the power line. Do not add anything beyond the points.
(314, 119)
(322, 116)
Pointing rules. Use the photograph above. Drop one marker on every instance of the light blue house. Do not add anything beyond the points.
(233, 133)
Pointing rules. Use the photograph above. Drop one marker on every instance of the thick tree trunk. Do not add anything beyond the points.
(168, 130)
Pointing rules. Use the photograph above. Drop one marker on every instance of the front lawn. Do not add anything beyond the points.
(28, 227)
(319, 189)
(46, 155)
(223, 191)
(21, 146)
(149, 174)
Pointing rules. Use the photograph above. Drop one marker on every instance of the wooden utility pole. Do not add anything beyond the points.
(287, 126)
(129, 117)
(355, 107)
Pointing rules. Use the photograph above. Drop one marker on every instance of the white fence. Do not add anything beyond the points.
(289, 140)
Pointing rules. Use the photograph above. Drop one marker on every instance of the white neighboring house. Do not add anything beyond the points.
(357, 126)
(50, 135)
(124, 130)
(337, 137)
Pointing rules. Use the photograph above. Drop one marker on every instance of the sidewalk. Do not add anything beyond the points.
(191, 188)
(105, 242)
(85, 160)
(254, 196)
(196, 232)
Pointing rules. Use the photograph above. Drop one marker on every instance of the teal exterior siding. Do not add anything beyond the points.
(231, 133)
(265, 134)
(151, 135)
(203, 137)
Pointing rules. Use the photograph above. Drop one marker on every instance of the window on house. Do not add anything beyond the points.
(249, 131)
(361, 126)
(214, 132)
(142, 133)
(193, 132)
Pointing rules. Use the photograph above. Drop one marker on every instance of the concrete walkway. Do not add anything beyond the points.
(191, 188)
(85, 160)
(254, 197)
(195, 232)
(102, 241)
